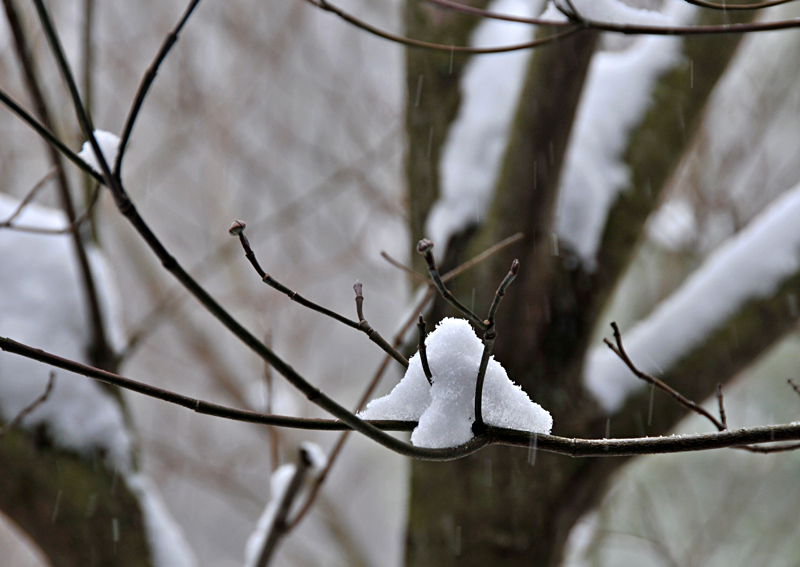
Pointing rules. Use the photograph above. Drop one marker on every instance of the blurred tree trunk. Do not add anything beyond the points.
(511, 507)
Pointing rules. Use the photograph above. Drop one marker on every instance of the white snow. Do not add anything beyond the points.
(751, 265)
(617, 93)
(168, 547)
(41, 305)
(279, 482)
(108, 142)
(476, 142)
(318, 458)
(674, 225)
(445, 411)
(611, 12)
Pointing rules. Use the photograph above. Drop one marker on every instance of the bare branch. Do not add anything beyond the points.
(374, 335)
(280, 526)
(425, 247)
(423, 352)
(30, 407)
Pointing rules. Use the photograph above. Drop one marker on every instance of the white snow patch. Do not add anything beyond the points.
(749, 266)
(168, 547)
(109, 144)
(612, 12)
(445, 411)
(41, 305)
(279, 484)
(617, 93)
(318, 458)
(475, 144)
(673, 226)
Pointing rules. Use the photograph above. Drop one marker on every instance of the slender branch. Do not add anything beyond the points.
(501, 291)
(337, 448)
(425, 247)
(237, 229)
(423, 351)
(361, 24)
(99, 348)
(30, 407)
(46, 134)
(725, 7)
(146, 82)
(582, 23)
(722, 417)
(619, 350)
(721, 424)
(794, 386)
(417, 276)
(493, 435)
(482, 256)
(374, 335)
(31, 195)
(489, 338)
(280, 527)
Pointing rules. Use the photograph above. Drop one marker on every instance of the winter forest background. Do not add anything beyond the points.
(666, 190)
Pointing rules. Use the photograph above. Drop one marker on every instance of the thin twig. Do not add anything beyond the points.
(361, 24)
(794, 386)
(482, 256)
(280, 526)
(425, 247)
(721, 424)
(30, 407)
(619, 350)
(31, 195)
(722, 416)
(337, 448)
(489, 338)
(146, 82)
(726, 7)
(100, 349)
(414, 274)
(237, 229)
(374, 335)
(423, 351)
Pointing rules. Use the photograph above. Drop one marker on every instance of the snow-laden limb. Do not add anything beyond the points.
(616, 96)
(278, 485)
(750, 266)
(446, 410)
(41, 304)
(608, 12)
(168, 547)
(475, 144)
(673, 226)
(109, 144)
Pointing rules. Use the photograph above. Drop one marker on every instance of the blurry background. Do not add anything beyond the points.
(280, 115)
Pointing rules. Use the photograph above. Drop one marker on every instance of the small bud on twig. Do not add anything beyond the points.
(237, 227)
(424, 246)
(357, 288)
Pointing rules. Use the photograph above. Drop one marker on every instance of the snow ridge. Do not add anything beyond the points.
(751, 265)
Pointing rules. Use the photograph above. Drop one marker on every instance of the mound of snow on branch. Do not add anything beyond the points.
(446, 410)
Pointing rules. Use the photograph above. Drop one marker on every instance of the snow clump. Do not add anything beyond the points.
(446, 411)
(109, 145)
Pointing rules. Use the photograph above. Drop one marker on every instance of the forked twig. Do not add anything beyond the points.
(721, 424)
(425, 247)
(30, 407)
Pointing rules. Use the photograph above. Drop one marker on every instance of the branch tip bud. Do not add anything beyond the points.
(424, 246)
(515, 267)
(357, 288)
(237, 228)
